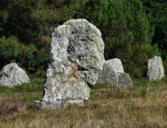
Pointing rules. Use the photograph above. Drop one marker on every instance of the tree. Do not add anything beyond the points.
(157, 11)
(28, 25)
(126, 31)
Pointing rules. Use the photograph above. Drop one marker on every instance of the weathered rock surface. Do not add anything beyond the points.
(12, 75)
(113, 74)
(124, 80)
(115, 65)
(76, 57)
(155, 68)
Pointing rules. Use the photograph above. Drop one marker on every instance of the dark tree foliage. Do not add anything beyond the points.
(12, 50)
(126, 31)
(25, 22)
(157, 12)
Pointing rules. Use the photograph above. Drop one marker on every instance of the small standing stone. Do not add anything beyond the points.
(12, 75)
(155, 68)
(113, 74)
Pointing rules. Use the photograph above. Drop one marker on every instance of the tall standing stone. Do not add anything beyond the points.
(155, 68)
(76, 57)
(12, 75)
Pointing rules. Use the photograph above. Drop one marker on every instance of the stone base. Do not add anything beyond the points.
(58, 104)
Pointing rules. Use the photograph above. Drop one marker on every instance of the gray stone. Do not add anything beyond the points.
(115, 65)
(155, 68)
(12, 75)
(124, 80)
(110, 67)
(76, 57)
(113, 74)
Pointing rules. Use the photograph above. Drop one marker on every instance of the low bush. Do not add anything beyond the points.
(28, 56)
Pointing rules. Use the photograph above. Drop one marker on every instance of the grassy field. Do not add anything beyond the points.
(142, 106)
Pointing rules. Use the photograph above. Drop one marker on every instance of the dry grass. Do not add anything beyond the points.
(143, 106)
(7, 107)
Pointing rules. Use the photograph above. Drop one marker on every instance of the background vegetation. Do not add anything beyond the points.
(133, 30)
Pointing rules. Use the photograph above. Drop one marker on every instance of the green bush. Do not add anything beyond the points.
(12, 50)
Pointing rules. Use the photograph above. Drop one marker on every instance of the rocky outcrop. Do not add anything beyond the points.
(12, 75)
(155, 68)
(113, 74)
(76, 58)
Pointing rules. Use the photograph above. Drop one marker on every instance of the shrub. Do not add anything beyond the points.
(12, 50)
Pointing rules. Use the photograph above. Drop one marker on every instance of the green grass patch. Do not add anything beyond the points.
(25, 93)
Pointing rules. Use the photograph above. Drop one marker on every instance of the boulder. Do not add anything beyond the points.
(111, 66)
(76, 58)
(113, 74)
(155, 68)
(12, 75)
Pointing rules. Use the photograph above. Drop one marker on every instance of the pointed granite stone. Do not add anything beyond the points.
(12, 75)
